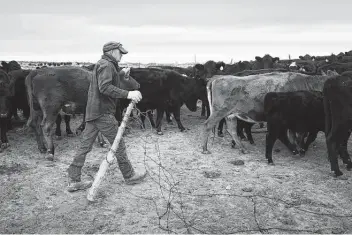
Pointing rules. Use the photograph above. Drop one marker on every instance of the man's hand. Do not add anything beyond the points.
(136, 96)
(126, 72)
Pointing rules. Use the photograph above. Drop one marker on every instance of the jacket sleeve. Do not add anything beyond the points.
(104, 76)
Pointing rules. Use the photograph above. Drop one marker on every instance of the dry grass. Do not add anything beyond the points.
(186, 192)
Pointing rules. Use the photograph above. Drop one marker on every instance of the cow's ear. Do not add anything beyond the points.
(258, 58)
(301, 57)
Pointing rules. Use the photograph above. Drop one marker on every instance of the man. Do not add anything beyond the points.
(101, 106)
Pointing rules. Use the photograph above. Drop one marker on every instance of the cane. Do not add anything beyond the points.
(111, 155)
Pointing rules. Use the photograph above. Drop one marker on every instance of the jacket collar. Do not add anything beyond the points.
(111, 59)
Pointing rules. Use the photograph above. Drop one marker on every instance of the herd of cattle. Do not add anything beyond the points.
(300, 97)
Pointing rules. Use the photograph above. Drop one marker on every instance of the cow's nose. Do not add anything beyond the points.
(3, 115)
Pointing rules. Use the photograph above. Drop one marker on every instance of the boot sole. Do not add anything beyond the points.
(136, 181)
(79, 186)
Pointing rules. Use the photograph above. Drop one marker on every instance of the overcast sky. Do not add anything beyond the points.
(173, 31)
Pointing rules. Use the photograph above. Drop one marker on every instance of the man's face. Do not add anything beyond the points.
(117, 54)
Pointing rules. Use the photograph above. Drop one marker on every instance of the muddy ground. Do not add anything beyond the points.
(185, 192)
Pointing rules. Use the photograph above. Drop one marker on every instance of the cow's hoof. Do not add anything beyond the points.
(295, 152)
(159, 132)
(244, 151)
(70, 135)
(220, 134)
(78, 131)
(271, 163)
(302, 153)
(5, 145)
(349, 166)
(58, 137)
(252, 142)
(206, 152)
(50, 157)
(341, 177)
(103, 144)
(183, 130)
(42, 150)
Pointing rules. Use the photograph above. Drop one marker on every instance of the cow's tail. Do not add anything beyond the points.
(29, 88)
(209, 96)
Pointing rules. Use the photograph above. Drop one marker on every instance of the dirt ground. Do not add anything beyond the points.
(185, 192)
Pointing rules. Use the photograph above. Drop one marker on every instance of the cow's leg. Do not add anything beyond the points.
(168, 117)
(49, 117)
(221, 128)
(81, 127)
(3, 126)
(9, 123)
(151, 118)
(13, 109)
(68, 128)
(26, 111)
(247, 129)
(311, 137)
(177, 114)
(344, 153)
(270, 139)
(332, 146)
(284, 139)
(58, 126)
(239, 129)
(213, 119)
(208, 108)
(203, 110)
(101, 140)
(231, 122)
(142, 116)
(36, 126)
(159, 118)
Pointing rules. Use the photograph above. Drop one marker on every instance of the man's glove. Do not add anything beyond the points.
(136, 96)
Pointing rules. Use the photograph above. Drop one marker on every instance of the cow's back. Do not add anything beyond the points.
(69, 82)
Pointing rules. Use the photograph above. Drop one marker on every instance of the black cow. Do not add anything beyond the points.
(299, 111)
(338, 119)
(6, 93)
(10, 66)
(49, 89)
(19, 100)
(164, 89)
(204, 73)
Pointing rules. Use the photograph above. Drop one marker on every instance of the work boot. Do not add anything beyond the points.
(136, 178)
(74, 173)
(78, 185)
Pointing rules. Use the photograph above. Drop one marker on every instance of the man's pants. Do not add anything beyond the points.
(108, 126)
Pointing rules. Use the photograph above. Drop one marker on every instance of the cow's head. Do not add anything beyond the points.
(212, 68)
(220, 66)
(191, 91)
(268, 61)
(127, 82)
(199, 71)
